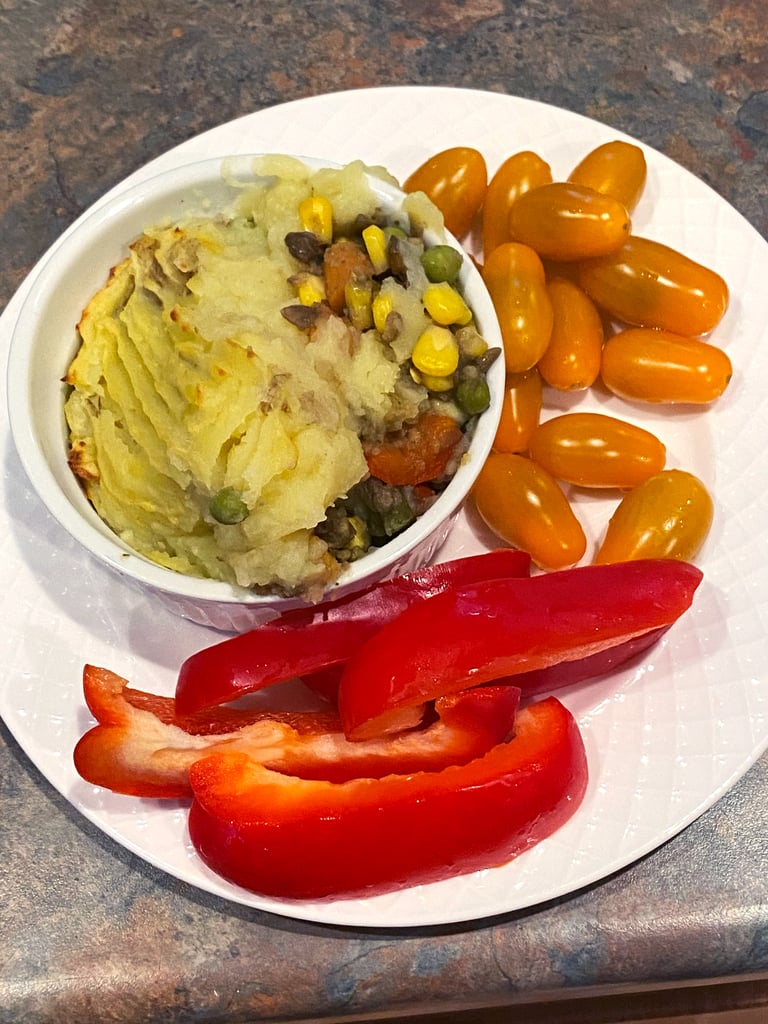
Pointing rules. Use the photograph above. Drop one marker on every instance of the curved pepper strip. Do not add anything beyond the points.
(295, 839)
(307, 640)
(143, 747)
(581, 670)
(543, 680)
(499, 628)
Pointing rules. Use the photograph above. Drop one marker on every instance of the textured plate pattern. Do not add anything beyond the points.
(665, 738)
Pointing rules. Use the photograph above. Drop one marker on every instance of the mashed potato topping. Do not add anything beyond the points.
(211, 432)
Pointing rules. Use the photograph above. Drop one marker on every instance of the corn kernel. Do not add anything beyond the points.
(445, 305)
(436, 352)
(358, 295)
(310, 289)
(376, 246)
(382, 306)
(316, 215)
(437, 383)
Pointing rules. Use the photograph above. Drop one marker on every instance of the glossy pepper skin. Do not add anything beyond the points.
(307, 640)
(295, 839)
(540, 680)
(499, 628)
(594, 666)
(143, 747)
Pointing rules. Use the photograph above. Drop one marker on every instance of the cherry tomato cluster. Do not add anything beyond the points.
(582, 301)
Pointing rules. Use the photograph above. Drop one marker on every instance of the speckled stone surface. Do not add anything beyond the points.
(89, 91)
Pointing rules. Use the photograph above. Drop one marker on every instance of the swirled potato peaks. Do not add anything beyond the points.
(210, 426)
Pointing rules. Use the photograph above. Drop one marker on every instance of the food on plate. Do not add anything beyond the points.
(520, 411)
(563, 221)
(242, 376)
(582, 302)
(615, 168)
(308, 640)
(644, 364)
(652, 285)
(553, 677)
(455, 180)
(316, 644)
(514, 277)
(523, 504)
(517, 174)
(667, 516)
(420, 452)
(501, 627)
(432, 731)
(427, 745)
(300, 839)
(572, 359)
(591, 449)
(143, 747)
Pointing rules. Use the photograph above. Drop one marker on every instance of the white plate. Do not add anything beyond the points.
(665, 739)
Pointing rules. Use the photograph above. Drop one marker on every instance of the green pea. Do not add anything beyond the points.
(227, 507)
(473, 395)
(441, 263)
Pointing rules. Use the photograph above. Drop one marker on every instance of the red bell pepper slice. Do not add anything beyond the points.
(307, 640)
(542, 680)
(496, 628)
(601, 663)
(298, 839)
(143, 747)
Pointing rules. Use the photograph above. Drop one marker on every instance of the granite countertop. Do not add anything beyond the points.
(89, 93)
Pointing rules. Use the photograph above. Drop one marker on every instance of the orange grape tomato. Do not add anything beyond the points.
(593, 450)
(514, 276)
(525, 506)
(455, 180)
(512, 259)
(668, 516)
(571, 361)
(646, 365)
(616, 169)
(562, 221)
(520, 412)
(518, 174)
(651, 285)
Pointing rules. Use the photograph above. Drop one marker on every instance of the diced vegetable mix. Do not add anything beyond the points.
(240, 371)
(350, 276)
